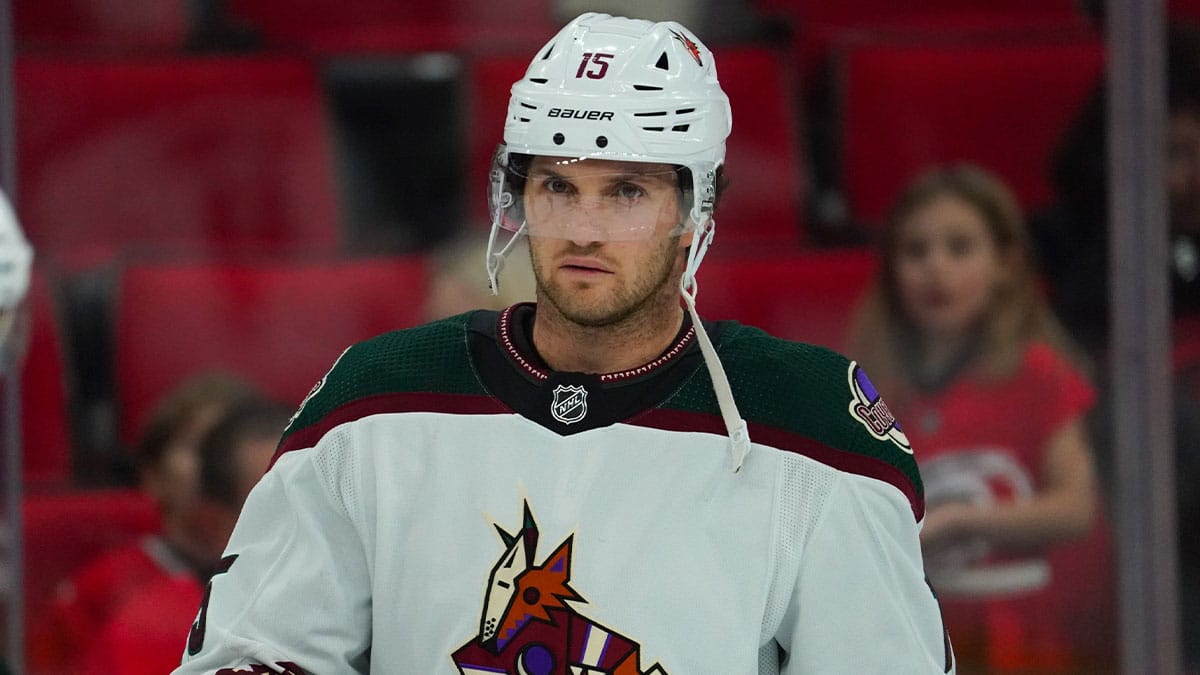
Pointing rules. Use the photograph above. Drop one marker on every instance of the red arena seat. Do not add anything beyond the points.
(908, 105)
(281, 324)
(98, 24)
(763, 204)
(333, 26)
(201, 154)
(44, 419)
(806, 296)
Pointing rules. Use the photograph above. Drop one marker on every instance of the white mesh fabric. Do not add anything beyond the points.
(336, 460)
(804, 486)
(768, 659)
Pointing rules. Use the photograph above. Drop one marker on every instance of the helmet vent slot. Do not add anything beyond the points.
(653, 128)
(548, 52)
(640, 87)
(663, 63)
(528, 105)
(538, 80)
(656, 113)
(680, 127)
(685, 111)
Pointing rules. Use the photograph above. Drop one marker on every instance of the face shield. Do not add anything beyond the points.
(583, 199)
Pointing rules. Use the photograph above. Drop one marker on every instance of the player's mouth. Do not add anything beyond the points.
(584, 266)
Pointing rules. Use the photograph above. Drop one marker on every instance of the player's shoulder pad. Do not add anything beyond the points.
(815, 401)
(431, 358)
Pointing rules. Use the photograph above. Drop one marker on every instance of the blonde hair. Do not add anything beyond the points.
(883, 336)
(460, 282)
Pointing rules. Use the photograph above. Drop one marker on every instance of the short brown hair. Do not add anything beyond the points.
(180, 406)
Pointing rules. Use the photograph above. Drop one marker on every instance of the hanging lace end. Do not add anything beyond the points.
(739, 444)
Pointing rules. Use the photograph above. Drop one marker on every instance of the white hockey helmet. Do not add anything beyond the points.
(612, 88)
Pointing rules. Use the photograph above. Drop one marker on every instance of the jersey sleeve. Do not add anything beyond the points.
(1064, 392)
(861, 603)
(292, 593)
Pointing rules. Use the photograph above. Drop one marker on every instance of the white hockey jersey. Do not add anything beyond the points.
(444, 503)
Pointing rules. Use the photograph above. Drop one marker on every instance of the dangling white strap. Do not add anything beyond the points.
(735, 426)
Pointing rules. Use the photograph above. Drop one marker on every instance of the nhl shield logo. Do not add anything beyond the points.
(569, 404)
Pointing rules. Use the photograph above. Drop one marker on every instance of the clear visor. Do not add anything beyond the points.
(587, 199)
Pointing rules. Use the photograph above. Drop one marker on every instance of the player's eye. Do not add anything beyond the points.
(629, 192)
(556, 185)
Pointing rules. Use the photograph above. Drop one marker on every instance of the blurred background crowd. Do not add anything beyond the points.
(224, 194)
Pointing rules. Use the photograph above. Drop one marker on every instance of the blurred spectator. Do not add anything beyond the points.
(977, 370)
(147, 633)
(167, 462)
(460, 283)
(1072, 235)
(1072, 239)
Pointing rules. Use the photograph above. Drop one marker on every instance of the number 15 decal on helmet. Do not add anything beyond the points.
(600, 59)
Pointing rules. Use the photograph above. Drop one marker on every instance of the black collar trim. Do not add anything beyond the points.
(504, 330)
(661, 361)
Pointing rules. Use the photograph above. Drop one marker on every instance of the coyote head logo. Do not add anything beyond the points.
(527, 627)
(519, 591)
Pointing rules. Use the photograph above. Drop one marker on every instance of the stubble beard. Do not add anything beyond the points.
(627, 302)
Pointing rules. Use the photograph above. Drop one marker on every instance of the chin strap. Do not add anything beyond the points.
(735, 426)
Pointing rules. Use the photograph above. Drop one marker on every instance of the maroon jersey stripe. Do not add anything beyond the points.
(407, 402)
(843, 460)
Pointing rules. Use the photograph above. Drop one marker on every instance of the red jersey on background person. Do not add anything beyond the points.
(146, 634)
(982, 379)
(88, 600)
(179, 555)
(142, 636)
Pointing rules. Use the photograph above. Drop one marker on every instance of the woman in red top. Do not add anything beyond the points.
(959, 341)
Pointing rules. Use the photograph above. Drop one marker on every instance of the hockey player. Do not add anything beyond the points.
(600, 483)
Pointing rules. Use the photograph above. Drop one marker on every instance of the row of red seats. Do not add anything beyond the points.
(1000, 104)
(333, 26)
(323, 25)
(234, 154)
(228, 154)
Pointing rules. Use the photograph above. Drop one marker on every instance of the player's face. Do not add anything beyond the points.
(587, 274)
(948, 267)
